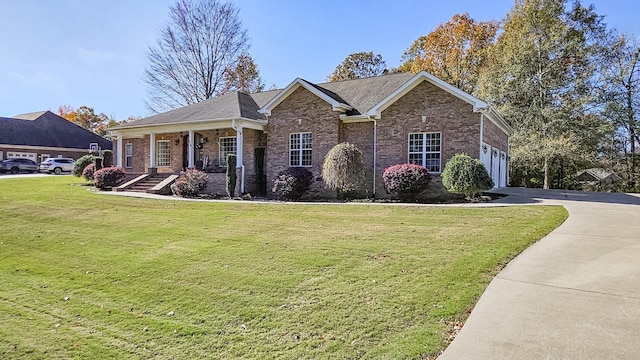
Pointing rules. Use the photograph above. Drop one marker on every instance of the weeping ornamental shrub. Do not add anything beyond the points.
(406, 180)
(80, 164)
(343, 169)
(232, 177)
(191, 183)
(88, 172)
(292, 183)
(465, 175)
(108, 177)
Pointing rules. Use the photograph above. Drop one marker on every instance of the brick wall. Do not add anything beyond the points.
(302, 111)
(493, 136)
(140, 152)
(445, 113)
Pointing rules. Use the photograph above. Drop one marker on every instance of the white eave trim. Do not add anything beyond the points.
(200, 125)
(415, 81)
(293, 86)
(355, 118)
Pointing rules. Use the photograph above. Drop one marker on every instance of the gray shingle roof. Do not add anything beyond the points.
(45, 128)
(361, 94)
(227, 106)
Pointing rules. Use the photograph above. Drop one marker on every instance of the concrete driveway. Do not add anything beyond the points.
(573, 295)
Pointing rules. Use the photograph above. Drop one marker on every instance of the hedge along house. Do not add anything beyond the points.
(41, 135)
(393, 119)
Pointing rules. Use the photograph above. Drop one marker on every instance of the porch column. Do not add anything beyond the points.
(152, 153)
(190, 149)
(240, 155)
(119, 153)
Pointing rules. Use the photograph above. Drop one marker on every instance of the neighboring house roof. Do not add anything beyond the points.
(357, 100)
(597, 174)
(46, 129)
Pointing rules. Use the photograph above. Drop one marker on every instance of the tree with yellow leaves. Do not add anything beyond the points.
(454, 52)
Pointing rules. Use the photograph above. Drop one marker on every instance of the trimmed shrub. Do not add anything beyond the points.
(107, 156)
(343, 170)
(108, 177)
(80, 164)
(191, 183)
(293, 183)
(98, 162)
(406, 181)
(232, 177)
(465, 175)
(88, 172)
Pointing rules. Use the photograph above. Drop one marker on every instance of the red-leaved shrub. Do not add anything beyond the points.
(87, 172)
(406, 180)
(108, 177)
(190, 183)
(292, 183)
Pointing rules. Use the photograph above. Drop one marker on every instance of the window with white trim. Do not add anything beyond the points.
(228, 145)
(128, 155)
(426, 149)
(300, 146)
(163, 153)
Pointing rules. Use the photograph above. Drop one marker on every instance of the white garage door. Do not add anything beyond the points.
(13, 155)
(503, 169)
(495, 168)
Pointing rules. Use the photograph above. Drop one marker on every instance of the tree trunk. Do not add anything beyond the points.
(546, 173)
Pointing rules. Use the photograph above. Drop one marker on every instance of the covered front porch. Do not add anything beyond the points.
(203, 145)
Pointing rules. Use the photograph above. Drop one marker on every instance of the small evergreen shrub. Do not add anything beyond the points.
(108, 177)
(98, 163)
(232, 177)
(406, 181)
(293, 183)
(88, 172)
(465, 175)
(80, 164)
(107, 158)
(191, 183)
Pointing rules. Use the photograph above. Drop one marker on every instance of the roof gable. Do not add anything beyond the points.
(336, 102)
(376, 110)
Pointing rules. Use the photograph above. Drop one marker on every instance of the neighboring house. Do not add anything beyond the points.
(393, 119)
(597, 176)
(41, 135)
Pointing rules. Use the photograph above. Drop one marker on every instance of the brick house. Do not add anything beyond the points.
(393, 119)
(41, 135)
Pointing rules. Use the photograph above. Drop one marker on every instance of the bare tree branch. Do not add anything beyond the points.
(187, 65)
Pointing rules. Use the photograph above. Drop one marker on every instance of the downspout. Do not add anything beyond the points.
(481, 132)
(239, 140)
(375, 151)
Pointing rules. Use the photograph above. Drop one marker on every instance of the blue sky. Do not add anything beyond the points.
(91, 52)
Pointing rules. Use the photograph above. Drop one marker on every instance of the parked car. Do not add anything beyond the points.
(18, 165)
(57, 165)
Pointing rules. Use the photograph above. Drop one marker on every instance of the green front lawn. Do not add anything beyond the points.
(92, 276)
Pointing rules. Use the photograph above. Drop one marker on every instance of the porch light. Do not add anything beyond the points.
(177, 141)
